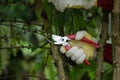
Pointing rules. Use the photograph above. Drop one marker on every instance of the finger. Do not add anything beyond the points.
(72, 51)
(80, 35)
(78, 54)
(62, 49)
(81, 59)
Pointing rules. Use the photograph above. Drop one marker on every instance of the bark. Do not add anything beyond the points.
(59, 63)
(102, 41)
(116, 40)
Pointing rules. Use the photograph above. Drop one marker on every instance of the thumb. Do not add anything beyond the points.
(62, 49)
(80, 35)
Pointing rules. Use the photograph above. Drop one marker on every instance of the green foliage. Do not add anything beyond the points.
(107, 72)
(79, 71)
(108, 75)
(48, 8)
(16, 10)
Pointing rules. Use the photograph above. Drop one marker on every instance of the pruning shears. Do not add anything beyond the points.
(64, 41)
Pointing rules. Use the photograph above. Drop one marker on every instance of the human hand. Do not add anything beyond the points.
(79, 50)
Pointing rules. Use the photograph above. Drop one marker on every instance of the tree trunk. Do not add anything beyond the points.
(116, 41)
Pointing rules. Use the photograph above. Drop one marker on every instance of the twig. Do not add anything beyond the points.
(34, 31)
(92, 17)
(18, 47)
(20, 21)
(23, 75)
(43, 67)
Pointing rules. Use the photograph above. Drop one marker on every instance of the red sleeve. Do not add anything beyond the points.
(108, 53)
(106, 4)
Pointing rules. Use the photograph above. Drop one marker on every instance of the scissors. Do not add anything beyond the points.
(64, 41)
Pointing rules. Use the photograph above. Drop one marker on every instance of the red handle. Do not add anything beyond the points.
(85, 61)
(90, 42)
(68, 47)
(72, 37)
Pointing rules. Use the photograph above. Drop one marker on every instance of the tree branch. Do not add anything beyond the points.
(23, 75)
(104, 37)
(19, 47)
(59, 63)
(21, 21)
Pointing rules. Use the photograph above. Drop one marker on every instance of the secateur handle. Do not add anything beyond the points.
(72, 37)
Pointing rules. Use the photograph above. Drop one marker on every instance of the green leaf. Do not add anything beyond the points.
(50, 70)
(49, 9)
(79, 22)
(107, 75)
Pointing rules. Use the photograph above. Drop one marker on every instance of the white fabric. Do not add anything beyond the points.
(71, 51)
(80, 35)
(88, 3)
(76, 54)
(81, 59)
(60, 5)
(62, 49)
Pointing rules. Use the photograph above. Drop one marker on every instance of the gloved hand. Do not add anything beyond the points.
(80, 50)
(60, 5)
(75, 53)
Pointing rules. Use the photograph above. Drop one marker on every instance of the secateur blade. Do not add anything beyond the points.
(60, 40)
(56, 37)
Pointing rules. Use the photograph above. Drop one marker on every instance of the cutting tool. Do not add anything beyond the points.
(64, 41)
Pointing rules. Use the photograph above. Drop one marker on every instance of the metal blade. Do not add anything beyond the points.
(59, 42)
(56, 37)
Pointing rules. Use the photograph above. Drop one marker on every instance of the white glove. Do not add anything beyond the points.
(75, 54)
(80, 35)
(80, 50)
